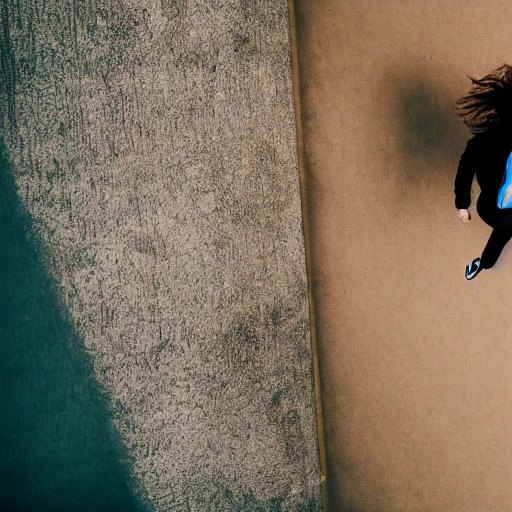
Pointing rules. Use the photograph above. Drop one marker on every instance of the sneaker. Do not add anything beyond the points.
(473, 269)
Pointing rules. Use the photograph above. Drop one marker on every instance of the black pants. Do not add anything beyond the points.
(501, 221)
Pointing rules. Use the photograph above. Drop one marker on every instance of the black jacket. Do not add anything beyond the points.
(486, 156)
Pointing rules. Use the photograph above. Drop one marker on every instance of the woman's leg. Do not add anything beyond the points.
(497, 241)
(501, 222)
(489, 212)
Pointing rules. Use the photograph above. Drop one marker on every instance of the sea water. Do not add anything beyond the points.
(59, 450)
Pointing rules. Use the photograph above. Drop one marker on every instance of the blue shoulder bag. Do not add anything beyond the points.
(505, 190)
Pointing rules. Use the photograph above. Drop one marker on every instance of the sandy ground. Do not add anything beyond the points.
(415, 361)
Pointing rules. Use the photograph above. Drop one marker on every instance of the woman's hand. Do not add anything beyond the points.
(464, 216)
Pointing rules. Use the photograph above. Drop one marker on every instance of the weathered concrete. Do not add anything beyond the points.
(154, 146)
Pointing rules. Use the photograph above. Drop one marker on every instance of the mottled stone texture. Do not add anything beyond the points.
(154, 146)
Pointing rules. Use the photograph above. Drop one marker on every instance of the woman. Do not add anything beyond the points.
(487, 111)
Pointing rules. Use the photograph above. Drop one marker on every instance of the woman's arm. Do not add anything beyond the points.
(464, 216)
(465, 173)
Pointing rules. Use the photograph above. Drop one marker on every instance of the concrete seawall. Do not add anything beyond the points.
(154, 146)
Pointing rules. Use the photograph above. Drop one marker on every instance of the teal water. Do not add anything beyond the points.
(58, 448)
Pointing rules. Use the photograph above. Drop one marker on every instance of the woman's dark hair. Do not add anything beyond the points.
(489, 100)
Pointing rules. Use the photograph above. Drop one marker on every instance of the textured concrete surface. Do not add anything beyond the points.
(154, 146)
(415, 360)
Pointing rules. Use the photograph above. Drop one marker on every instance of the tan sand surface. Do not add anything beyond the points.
(415, 361)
